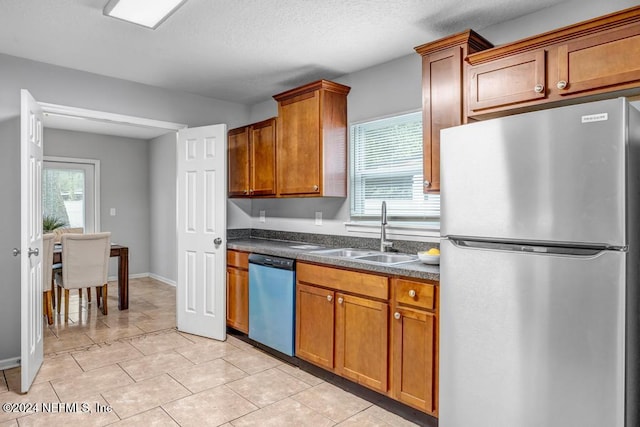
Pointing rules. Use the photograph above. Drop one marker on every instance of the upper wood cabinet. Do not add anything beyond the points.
(443, 103)
(252, 160)
(312, 140)
(595, 57)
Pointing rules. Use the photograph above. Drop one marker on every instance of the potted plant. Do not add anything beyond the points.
(51, 222)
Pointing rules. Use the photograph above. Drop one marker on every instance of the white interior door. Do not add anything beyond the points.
(202, 234)
(31, 274)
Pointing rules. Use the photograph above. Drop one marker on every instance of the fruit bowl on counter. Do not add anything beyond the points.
(432, 256)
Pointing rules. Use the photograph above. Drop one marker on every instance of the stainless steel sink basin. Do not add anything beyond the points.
(345, 252)
(388, 258)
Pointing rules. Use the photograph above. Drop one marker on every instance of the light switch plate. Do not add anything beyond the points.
(112, 211)
(319, 218)
(263, 216)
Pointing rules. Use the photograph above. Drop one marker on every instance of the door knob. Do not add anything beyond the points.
(217, 241)
(397, 315)
(35, 252)
(16, 251)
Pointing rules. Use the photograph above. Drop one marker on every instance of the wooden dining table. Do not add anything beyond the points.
(122, 253)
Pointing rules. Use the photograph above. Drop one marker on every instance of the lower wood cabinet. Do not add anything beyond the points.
(414, 342)
(348, 323)
(238, 290)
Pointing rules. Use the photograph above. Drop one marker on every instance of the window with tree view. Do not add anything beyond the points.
(386, 165)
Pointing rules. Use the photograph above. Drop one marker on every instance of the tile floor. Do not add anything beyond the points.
(138, 365)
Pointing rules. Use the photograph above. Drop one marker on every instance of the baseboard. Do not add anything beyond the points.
(131, 276)
(162, 279)
(13, 362)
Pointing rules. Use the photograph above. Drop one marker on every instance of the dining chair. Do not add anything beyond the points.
(47, 273)
(85, 264)
(58, 232)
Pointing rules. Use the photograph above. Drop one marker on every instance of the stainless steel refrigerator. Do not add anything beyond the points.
(540, 269)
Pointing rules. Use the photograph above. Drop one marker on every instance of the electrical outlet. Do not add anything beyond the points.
(319, 218)
(263, 216)
(112, 211)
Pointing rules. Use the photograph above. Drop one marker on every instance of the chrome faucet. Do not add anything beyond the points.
(385, 245)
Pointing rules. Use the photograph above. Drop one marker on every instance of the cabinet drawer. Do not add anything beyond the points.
(415, 293)
(238, 259)
(349, 281)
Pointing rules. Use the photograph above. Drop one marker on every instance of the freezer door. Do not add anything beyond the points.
(530, 339)
(552, 176)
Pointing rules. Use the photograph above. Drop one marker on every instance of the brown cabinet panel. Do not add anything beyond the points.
(315, 325)
(263, 158)
(608, 60)
(415, 293)
(238, 299)
(238, 161)
(362, 341)
(312, 140)
(238, 259)
(414, 358)
(516, 79)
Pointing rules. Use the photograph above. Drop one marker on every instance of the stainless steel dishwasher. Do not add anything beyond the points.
(272, 293)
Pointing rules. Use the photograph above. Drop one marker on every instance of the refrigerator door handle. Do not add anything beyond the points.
(531, 248)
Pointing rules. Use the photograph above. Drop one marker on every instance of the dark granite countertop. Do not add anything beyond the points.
(306, 252)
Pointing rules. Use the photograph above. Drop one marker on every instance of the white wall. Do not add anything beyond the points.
(64, 86)
(124, 185)
(395, 87)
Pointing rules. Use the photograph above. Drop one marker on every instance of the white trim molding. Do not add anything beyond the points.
(12, 362)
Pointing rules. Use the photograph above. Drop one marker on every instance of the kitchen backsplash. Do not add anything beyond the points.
(404, 246)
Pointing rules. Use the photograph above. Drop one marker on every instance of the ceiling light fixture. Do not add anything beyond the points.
(147, 13)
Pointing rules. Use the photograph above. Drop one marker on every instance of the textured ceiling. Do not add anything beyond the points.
(241, 50)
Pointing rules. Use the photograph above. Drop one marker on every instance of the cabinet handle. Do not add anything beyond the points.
(244, 191)
(396, 315)
(329, 298)
(251, 191)
(412, 293)
(538, 88)
(427, 184)
(562, 84)
(340, 300)
(316, 188)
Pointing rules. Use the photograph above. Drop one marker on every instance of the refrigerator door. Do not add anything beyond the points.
(549, 176)
(531, 339)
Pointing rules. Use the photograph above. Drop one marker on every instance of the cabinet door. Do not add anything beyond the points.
(314, 325)
(603, 61)
(263, 158)
(362, 341)
(238, 152)
(512, 80)
(238, 299)
(298, 148)
(442, 107)
(414, 361)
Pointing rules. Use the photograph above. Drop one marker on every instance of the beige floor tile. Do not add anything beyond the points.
(204, 351)
(89, 383)
(3, 383)
(154, 325)
(91, 412)
(207, 375)
(57, 367)
(106, 354)
(252, 361)
(38, 393)
(155, 364)
(124, 318)
(111, 334)
(10, 423)
(155, 343)
(144, 395)
(300, 374)
(267, 387)
(67, 343)
(209, 408)
(238, 343)
(155, 417)
(376, 416)
(285, 413)
(332, 402)
(13, 378)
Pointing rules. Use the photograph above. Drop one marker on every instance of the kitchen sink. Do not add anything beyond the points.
(388, 258)
(367, 255)
(345, 252)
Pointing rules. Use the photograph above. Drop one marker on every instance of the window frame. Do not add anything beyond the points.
(82, 163)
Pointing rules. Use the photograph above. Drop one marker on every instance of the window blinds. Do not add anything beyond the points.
(386, 164)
